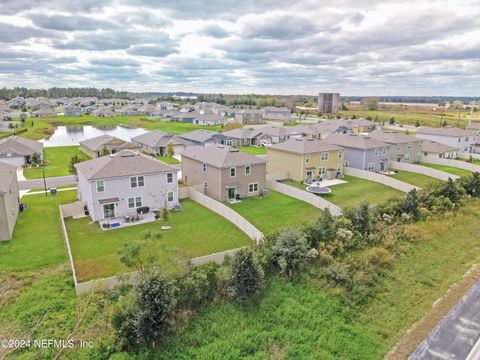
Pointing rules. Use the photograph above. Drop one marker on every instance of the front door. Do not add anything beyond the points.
(309, 174)
(382, 166)
(232, 192)
(108, 211)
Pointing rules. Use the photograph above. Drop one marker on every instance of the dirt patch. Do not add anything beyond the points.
(440, 308)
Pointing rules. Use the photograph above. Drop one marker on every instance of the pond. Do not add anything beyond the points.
(72, 135)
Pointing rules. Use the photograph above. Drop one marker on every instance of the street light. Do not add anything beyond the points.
(44, 181)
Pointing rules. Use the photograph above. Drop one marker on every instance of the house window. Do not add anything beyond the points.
(407, 157)
(233, 172)
(307, 158)
(141, 181)
(170, 196)
(248, 169)
(371, 166)
(409, 146)
(419, 155)
(322, 171)
(229, 142)
(346, 163)
(324, 156)
(204, 167)
(205, 184)
(169, 177)
(253, 187)
(384, 151)
(137, 181)
(398, 147)
(340, 153)
(376, 152)
(100, 186)
(134, 202)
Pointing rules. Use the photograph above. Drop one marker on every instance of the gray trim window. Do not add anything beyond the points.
(170, 196)
(100, 186)
(134, 202)
(169, 178)
(137, 181)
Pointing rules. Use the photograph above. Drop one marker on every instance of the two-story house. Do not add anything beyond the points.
(362, 152)
(248, 116)
(117, 184)
(305, 159)
(463, 140)
(403, 148)
(224, 173)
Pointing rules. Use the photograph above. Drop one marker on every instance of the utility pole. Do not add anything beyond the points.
(44, 181)
(458, 117)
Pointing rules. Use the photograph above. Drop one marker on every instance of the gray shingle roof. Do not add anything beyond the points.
(98, 142)
(201, 135)
(355, 141)
(122, 163)
(392, 137)
(304, 146)
(445, 131)
(7, 174)
(221, 156)
(20, 146)
(436, 148)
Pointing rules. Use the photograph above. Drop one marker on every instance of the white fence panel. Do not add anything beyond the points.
(381, 179)
(450, 162)
(303, 195)
(437, 174)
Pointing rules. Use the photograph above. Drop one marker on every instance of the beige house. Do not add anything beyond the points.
(9, 200)
(306, 158)
(223, 173)
(96, 146)
(404, 148)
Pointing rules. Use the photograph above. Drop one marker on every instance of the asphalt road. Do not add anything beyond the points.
(456, 334)
(51, 182)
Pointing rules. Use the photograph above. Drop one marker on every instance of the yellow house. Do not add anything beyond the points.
(305, 158)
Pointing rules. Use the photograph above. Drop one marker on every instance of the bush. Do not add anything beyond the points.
(246, 276)
(198, 286)
(291, 251)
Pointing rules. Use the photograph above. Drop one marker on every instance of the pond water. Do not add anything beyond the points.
(72, 135)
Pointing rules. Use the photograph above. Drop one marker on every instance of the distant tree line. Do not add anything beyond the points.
(8, 94)
(416, 99)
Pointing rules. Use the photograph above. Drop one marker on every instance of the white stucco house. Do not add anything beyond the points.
(463, 140)
(118, 184)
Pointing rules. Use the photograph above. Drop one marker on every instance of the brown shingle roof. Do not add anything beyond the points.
(123, 163)
(221, 156)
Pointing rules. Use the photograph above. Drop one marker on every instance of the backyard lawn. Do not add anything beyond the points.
(419, 180)
(271, 213)
(37, 240)
(354, 191)
(449, 169)
(58, 159)
(168, 159)
(196, 231)
(254, 150)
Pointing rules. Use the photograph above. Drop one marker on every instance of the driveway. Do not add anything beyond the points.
(51, 182)
(456, 334)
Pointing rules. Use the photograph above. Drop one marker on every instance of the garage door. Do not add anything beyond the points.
(15, 161)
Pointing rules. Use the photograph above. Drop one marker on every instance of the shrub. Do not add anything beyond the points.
(198, 286)
(246, 276)
(291, 251)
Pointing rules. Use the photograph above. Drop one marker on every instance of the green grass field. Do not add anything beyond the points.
(448, 169)
(254, 150)
(354, 191)
(276, 211)
(168, 159)
(37, 240)
(196, 231)
(58, 159)
(419, 180)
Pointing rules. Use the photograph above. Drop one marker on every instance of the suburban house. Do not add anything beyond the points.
(403, 148)
(475, 126)
(203, 137)
(156, 143)
(209, 119)
(275, 110)
(118, 184)
(463, 140)
(306, 158)
(166, 105)
(246, 137)
(9, 200)
(72, 110)
(183, 117)
(248, 116)
(98, 146)
(19, 151)
(433, 148)
(104, 112)
(223, 172)
(362, 152)
(45, 112)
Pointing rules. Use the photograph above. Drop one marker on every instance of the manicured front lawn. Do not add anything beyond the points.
(254, 150)
(354, 191)
(448, 169)
(196, 231)
(37, 239)
(168, 159)
(276, 211)
(419, 180)
(58, 159)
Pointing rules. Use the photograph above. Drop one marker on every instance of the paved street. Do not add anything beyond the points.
(456, 334)
(51, 182)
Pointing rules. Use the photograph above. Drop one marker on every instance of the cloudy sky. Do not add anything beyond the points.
(357, 47)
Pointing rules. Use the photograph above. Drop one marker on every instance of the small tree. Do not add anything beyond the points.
(165, 215)
(75, 159)
(410, 205)
(321, 231)
(291, 251)
(370, 103)
(391, 121)
(35, 159)
(105, 151)
(361, 219)
(471, 185)
(170, 150)
(450, 191)
(246, 276)
(417, 123)
(143, 253)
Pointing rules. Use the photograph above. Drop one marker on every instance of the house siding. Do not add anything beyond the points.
(360, 158)
(9, 210)
(459, 142)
